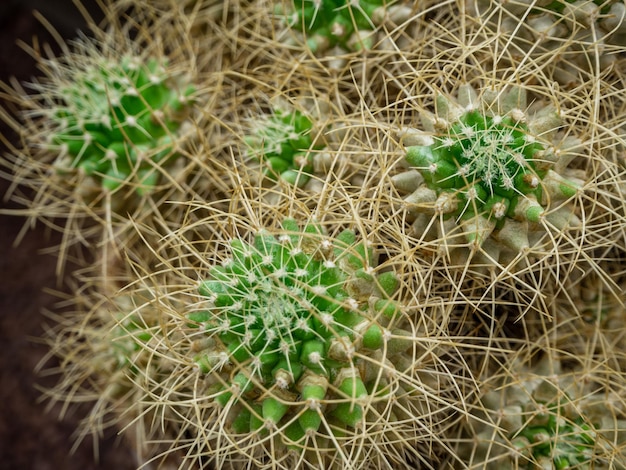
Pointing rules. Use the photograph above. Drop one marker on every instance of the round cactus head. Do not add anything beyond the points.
(490, 167)
(544, 417)
(329, 23)
(283, 143)
(117, 119)
(301, 343)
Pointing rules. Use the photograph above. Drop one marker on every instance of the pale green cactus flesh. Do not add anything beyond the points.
(283, 143)
(291, 318)
(117, 120)
(489, 167)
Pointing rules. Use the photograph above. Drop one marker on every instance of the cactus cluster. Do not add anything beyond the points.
(310, 260)
(116, 120)
(298, 330)
(284, 144)
(542, 418)
(594, 27)
(327, 24)
(489, 168)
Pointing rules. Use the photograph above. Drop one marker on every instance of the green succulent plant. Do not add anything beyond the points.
(326, 24)
(116, 120)
(283, 143)
(104, 347)
(294, 321)
(542, 418)
(298, 330)
(490, 168)
(562, 28)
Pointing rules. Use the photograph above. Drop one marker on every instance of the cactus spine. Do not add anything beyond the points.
(569, 31)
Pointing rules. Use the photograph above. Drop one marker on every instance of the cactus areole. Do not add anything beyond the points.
(289, 318)
(116, 120)
(486, 166)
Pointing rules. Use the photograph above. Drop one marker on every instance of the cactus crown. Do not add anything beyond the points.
(329, 23)
(484, 165)
(487, 160)
(288, 315)
(282, 142)
(115, 119)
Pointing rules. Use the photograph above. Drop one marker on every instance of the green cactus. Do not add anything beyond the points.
(297, 330)
(283, 143)
(562, 28)
(286, 315)
(326, 24)
(104, 347)
(551, 437)
(116, 120)
(490, 168)
(542, 418)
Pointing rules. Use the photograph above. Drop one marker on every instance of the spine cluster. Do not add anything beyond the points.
(292, 320)
(117, 120)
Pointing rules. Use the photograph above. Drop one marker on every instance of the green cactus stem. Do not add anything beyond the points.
(284, 144)
(293, 319)
(490, 168)
(542, 418)
(117, 120)
(326, 24)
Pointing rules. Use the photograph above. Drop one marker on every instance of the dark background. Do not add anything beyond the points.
(31, 436)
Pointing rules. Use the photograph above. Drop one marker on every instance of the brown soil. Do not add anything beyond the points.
(31, 436)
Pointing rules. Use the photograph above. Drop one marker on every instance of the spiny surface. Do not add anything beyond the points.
(116, 120)
(542, 418)
(491, 168)
(293, 320)
(283, 143)
(330, 23)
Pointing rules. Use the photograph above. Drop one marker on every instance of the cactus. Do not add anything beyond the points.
(544, 417)
(284, 144)
(293, 321)
(563, 28)
(104, 347)
(102, 133)
(489, 168)
(327, 24)
(116, 119)
(303, 349)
